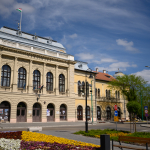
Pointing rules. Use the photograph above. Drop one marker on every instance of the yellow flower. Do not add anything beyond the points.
(33, 136)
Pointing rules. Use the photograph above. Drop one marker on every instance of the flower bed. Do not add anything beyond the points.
(31, 140)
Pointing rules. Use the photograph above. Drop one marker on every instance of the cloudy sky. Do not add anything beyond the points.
(108, 34)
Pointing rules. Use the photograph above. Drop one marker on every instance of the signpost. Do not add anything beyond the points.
(115, 107)
(116, 115)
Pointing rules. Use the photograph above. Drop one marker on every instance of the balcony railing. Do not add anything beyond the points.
(107, 99)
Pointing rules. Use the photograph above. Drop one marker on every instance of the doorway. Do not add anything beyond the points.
(50, 112)
(21, 112)
(5, 111)
(98, 113)
(36, 115)
(80, 113)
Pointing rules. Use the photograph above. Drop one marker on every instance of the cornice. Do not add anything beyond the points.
(30, 53)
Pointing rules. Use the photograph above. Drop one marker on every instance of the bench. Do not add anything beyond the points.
(130, 139)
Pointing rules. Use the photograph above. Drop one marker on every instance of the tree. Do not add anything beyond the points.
(133, 107)
(130, 85)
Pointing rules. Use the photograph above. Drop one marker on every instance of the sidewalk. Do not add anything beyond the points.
(70, 135)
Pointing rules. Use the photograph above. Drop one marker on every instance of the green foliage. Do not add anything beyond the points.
(133, 107)
(132, 87)
(141, 134)
(92, 133)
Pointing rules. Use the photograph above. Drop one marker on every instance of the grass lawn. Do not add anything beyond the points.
(113, 133)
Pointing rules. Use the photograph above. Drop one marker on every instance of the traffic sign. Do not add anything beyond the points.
(146, 115)
(115, 107)
(116, 118)
(146, 111)
(146, 107)
(116, 113)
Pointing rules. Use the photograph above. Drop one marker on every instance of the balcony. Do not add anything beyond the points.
(107, 99)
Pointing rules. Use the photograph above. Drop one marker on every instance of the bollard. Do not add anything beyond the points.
(105, 142)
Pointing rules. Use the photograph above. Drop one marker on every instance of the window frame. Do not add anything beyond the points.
(49, 81)
(7, 77)
(61, 83)
(38, 80)
(24, 77)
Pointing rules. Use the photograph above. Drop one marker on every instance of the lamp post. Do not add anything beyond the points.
(86, 122)
(91, 102)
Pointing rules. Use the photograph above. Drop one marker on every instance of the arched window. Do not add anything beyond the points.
(98, 93)
(36, 79)
(118, 94)
(108, 111)
(49, 81)
(21, 78)
(5, 75)
(63, 112)
(106, 94)
(61, 83)
(79, 88)
(83, 87)
(87, 84)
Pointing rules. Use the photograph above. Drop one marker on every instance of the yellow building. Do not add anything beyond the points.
(101, 100)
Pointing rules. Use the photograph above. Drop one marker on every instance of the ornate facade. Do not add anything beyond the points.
(40, 82)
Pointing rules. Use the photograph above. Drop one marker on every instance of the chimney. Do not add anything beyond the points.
(96, 69)
(104, 71)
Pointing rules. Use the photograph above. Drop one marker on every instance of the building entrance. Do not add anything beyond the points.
(50, 112)
(21, 112)
(36, 115)
(80, 113)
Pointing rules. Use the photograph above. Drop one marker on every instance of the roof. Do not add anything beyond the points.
(104, 76)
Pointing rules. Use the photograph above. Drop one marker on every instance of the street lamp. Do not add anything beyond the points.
(86, 122)
(91, 101)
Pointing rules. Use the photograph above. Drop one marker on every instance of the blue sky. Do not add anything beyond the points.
(108, 34)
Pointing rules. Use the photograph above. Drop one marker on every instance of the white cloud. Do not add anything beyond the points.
(145, 74)
(128, 45)
(73, 36)
(114, 66)
(108, 60)
(85, 56)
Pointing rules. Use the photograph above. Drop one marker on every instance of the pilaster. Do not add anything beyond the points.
(68, 81)
(44, 80)
(56, 81)
(30, 78)
(0, 67)
(15, 76)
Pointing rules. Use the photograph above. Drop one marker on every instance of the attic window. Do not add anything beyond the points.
(108, 76)
(80, 65)
(35, 37)
(19, 33)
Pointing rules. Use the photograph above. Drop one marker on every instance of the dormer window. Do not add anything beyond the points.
(19, 33)
(49, 41)
(80, 65)
(35, 37)
(107, 76)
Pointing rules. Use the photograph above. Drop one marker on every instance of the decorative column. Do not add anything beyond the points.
(0, 67)
(56, 81)
(68, 91)
(30, 78)
(15, 76)
(44, 80)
